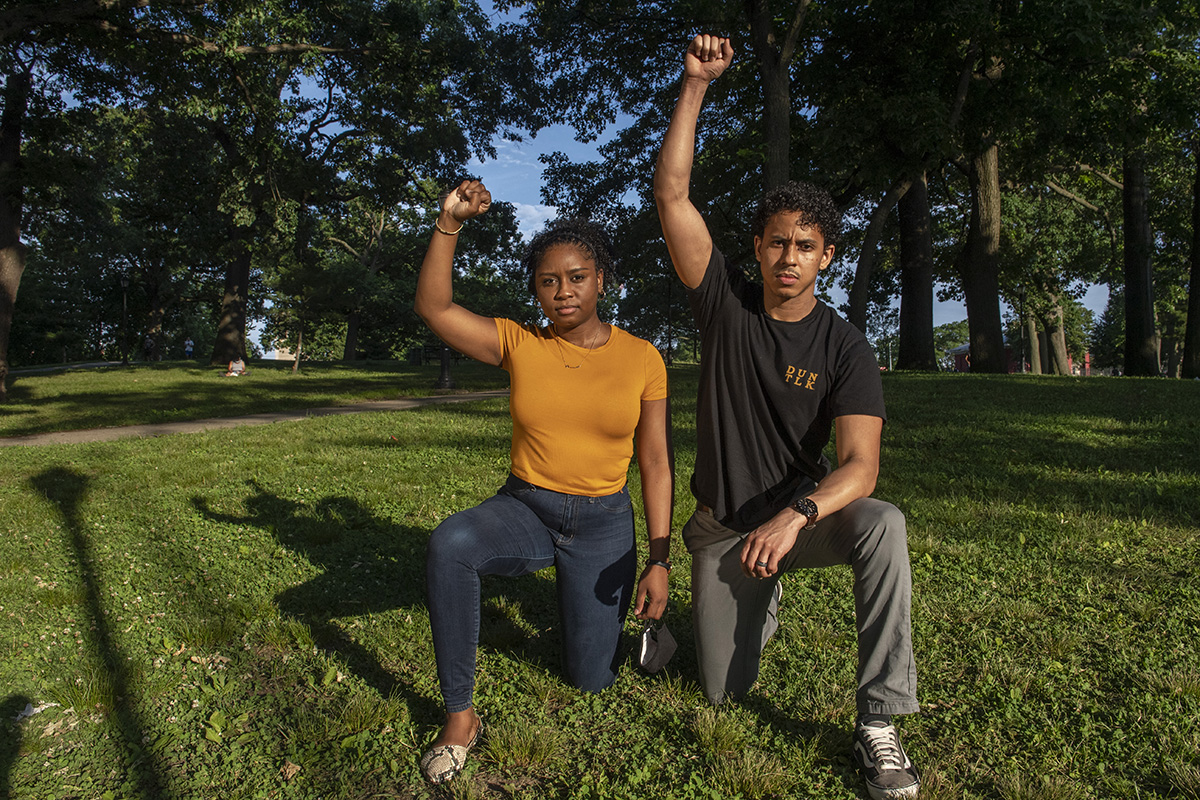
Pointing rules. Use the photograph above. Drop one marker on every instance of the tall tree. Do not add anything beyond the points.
(12, 202)
(916, 345)
(1141, 338)
(774, 50)
(979, 264)
(1191, 350)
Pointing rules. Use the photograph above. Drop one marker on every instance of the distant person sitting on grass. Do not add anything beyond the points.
(236, 367)
(585, 395)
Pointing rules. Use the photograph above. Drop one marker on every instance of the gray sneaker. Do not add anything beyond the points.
(889, 773)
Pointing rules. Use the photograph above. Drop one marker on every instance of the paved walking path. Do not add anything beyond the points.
(191, 426)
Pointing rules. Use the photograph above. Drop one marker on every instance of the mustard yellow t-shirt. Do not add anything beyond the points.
(573, 428)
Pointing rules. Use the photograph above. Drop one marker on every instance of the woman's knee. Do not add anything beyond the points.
(594, 677)
(454, 538)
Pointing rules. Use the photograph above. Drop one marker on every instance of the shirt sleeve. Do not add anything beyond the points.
(858, 388)
(656, 375)
(720, 285)
(511, 336)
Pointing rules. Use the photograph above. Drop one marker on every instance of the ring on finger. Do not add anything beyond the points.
(760, 564)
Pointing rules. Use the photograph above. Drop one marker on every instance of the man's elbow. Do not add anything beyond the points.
(668, 192)
(668, 186)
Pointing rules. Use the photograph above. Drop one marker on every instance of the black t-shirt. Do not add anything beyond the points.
(769, 392)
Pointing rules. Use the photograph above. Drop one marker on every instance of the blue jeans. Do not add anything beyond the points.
(522, 529)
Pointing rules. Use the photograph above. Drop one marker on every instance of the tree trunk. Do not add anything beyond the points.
(980, 267)
(12, 207)
(1141, 346)
(860, 292)
(1170, 355)
(1056, 340)
(162, 297)
(350, 350)
(299, 350)
(1191, 336)
(774, 56)
(1035, 350)
(231, 333)
(916, 280)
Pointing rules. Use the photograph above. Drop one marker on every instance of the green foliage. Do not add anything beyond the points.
(136, 207)
(946, 337)
(1108, 335)
(222, 148)
(240, 612)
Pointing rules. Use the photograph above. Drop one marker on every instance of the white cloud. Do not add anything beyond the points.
(509, 156)
(531, 218)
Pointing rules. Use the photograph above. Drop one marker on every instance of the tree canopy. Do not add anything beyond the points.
(204, 165)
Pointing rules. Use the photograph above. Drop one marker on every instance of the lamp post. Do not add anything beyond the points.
(444, 380)
(124, 319)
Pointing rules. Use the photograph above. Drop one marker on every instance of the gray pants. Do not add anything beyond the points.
(734, 615)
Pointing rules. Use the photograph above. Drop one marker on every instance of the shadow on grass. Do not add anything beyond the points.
(370, 565)
(832, 743)
(10, 737)
(1086, 444)
(66, 489)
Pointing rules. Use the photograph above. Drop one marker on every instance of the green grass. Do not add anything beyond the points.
(171, 392)
(240, 613)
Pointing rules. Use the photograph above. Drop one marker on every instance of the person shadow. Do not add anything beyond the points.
(367, 565)
(66, 489)
(10, 738)
(371, 565)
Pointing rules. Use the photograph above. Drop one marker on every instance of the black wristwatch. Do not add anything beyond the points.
(808, 508)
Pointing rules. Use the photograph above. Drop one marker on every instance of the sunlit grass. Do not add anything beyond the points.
(166, 392)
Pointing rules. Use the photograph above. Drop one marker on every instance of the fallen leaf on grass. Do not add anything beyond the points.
(289, 770)
(58, 725)
(210, 661)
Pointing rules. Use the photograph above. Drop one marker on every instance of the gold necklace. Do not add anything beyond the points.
(562, 355)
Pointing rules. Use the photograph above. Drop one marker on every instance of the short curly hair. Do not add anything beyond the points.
(585, 234)
(815, 206)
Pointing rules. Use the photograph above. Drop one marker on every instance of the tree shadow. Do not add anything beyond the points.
(66, 489)
(10, 737)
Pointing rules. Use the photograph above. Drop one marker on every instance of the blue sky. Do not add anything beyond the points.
(515, 175)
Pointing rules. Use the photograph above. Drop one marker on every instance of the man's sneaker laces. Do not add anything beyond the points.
(889, 773)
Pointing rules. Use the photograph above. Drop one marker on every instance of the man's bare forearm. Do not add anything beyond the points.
(674, 170)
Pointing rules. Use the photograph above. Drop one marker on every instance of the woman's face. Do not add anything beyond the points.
(568, 286)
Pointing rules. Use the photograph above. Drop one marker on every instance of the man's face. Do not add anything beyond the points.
(790, 256)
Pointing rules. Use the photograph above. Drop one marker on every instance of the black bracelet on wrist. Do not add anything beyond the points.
(656, 563)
